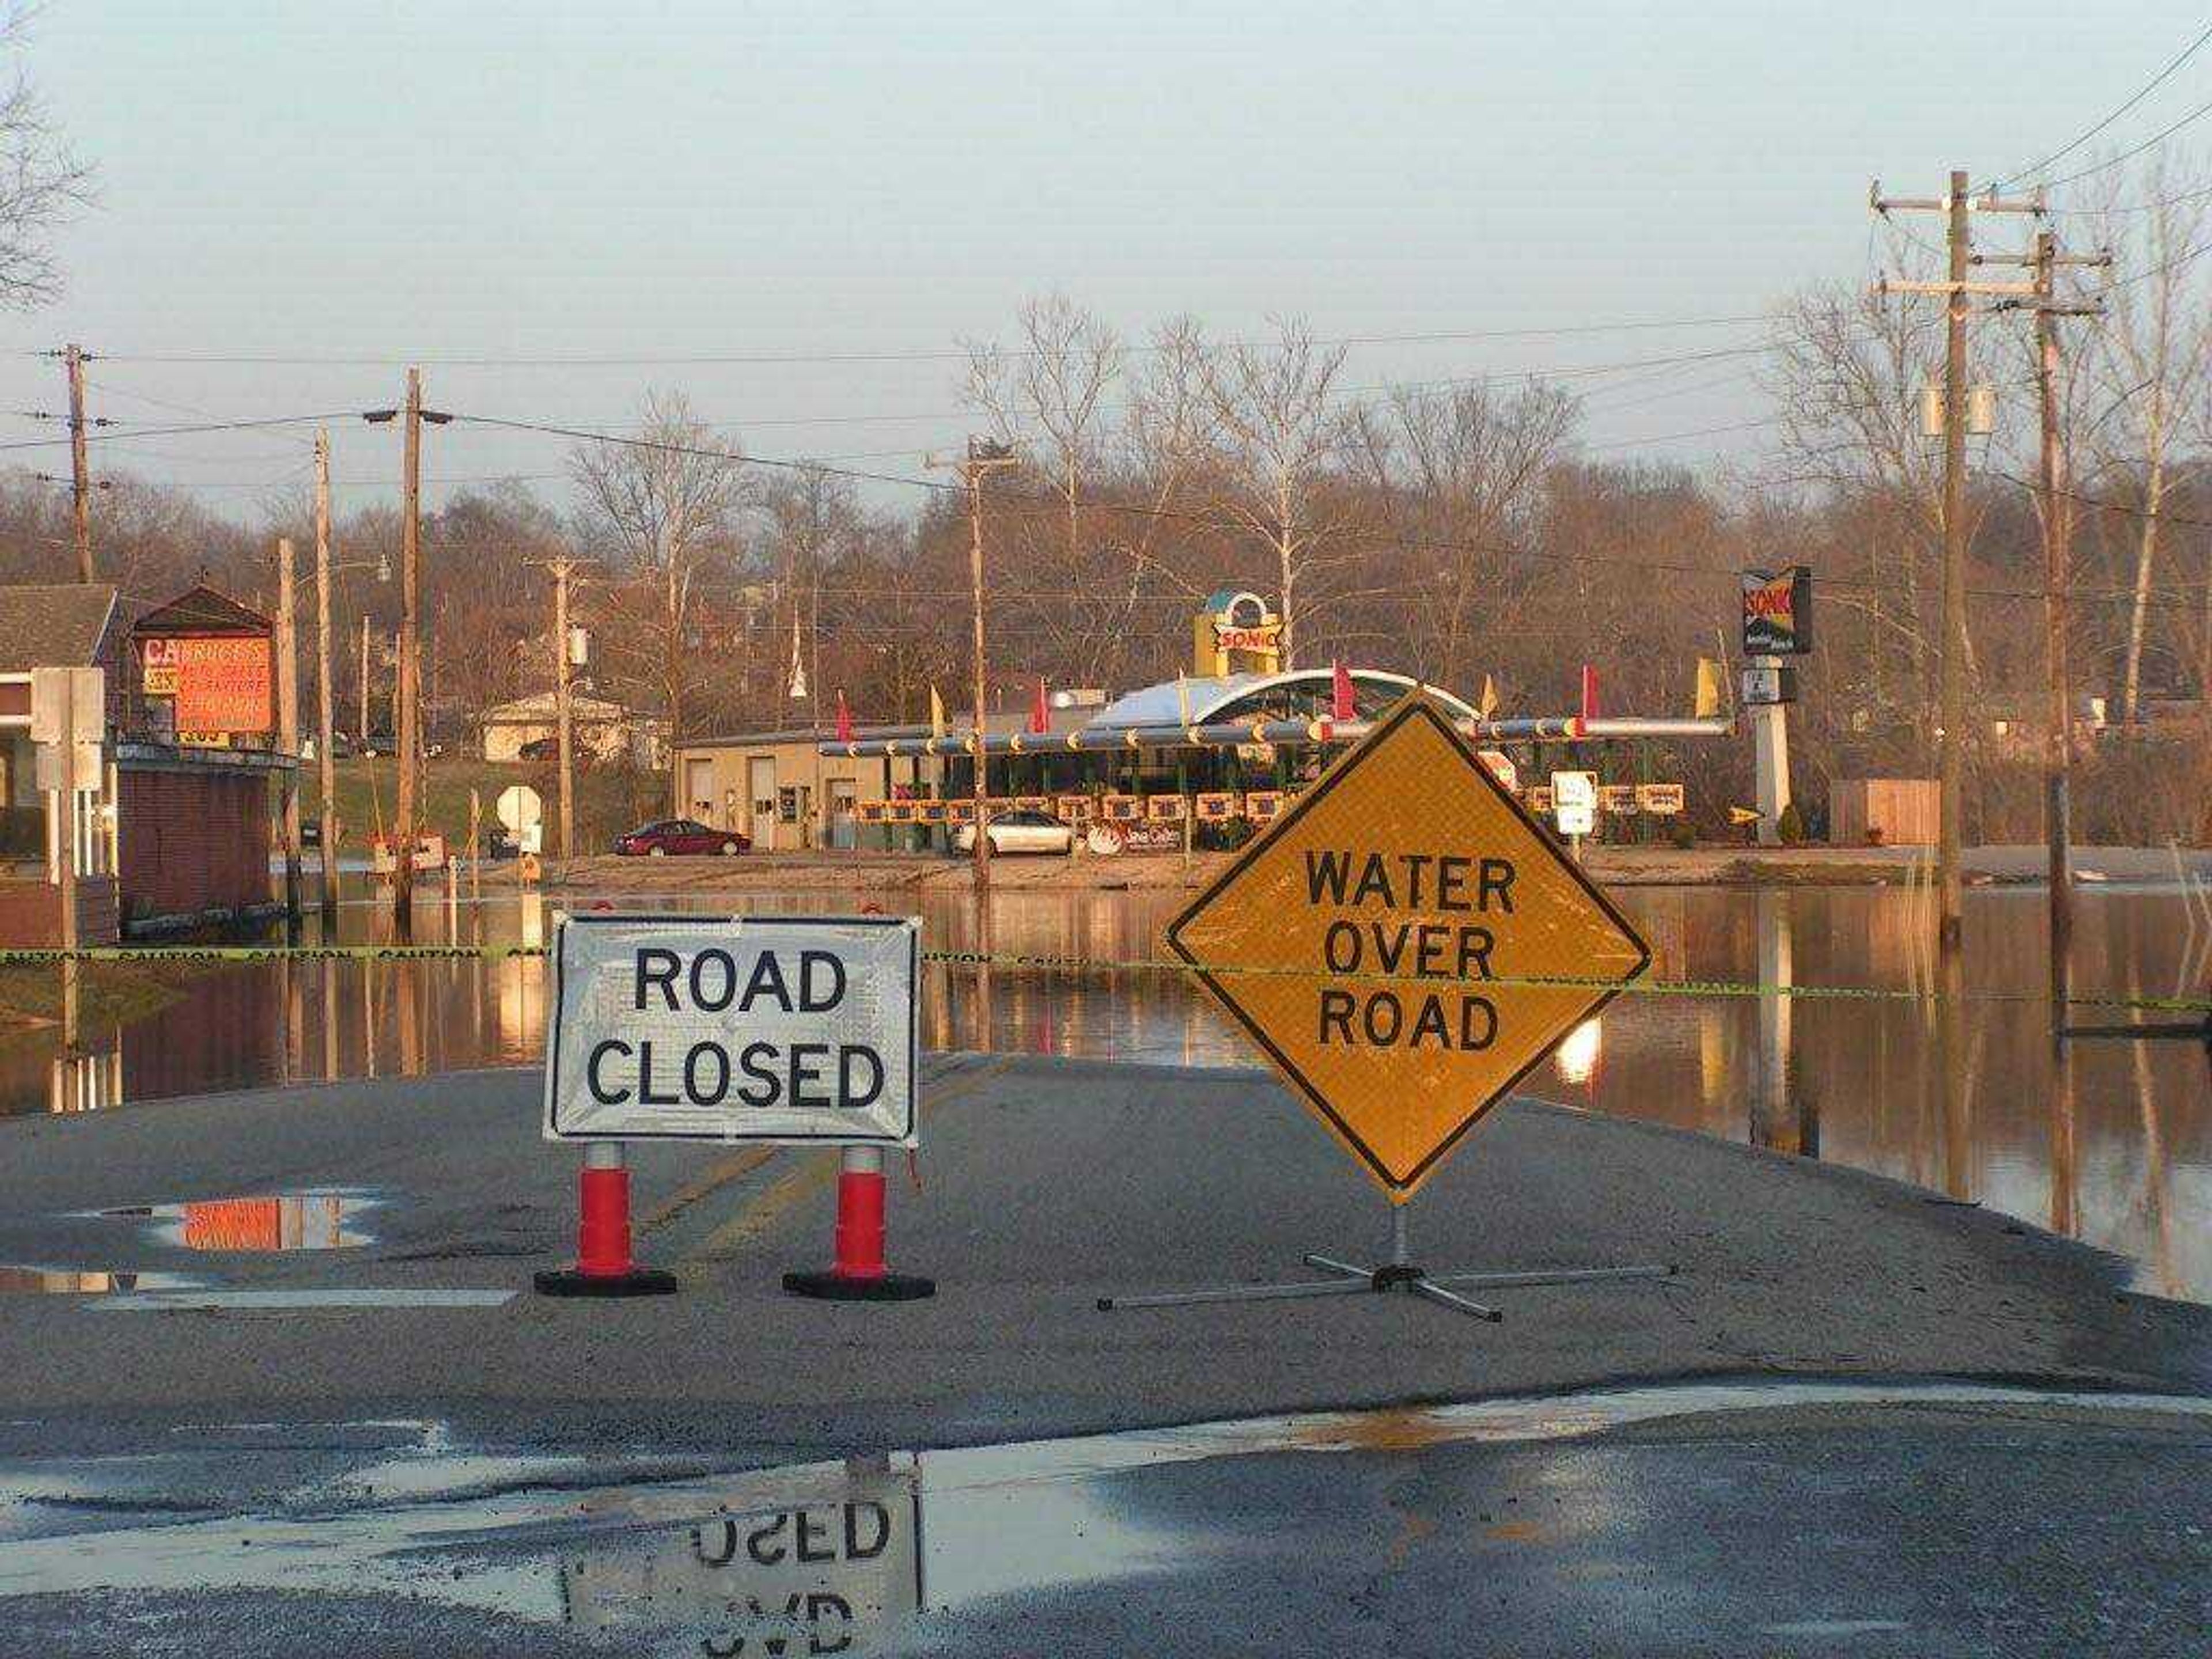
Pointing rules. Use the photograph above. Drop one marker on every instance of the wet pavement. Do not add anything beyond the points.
(2115, 1149)
(1879, 1420)
(1759, 1518)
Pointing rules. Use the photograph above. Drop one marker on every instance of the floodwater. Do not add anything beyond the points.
(384, 1537)
(2113, 1147)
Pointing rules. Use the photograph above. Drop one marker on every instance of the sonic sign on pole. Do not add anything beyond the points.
(1405, 944)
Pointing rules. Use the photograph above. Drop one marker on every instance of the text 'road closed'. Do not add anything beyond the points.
(749, 1028)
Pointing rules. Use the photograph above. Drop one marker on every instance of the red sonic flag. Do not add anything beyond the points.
(1040, 716)
(844, 720)
(1339, 693)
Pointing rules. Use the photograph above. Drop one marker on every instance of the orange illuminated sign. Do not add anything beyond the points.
(223, 684)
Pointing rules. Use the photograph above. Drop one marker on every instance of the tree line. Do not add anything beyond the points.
(1453, 529)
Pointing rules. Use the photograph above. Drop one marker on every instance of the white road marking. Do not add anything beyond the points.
(286, 1301)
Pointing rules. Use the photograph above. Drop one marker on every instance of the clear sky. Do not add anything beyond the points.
(446, 178)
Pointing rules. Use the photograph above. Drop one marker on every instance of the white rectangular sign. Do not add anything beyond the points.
(788, 1029)
(1574, 802)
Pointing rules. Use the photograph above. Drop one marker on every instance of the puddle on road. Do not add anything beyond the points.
(82, 1281)
(845, 1558)
(321, 1219)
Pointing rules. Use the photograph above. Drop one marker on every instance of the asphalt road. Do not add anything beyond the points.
(1044, 1185)
(540, 1476)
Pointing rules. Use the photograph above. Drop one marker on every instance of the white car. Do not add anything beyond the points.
(1019, 832)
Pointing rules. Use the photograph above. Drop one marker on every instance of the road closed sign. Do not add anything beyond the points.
(1405, 943)
(738, 1028)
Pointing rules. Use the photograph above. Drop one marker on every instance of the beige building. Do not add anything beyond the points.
(604, 730)
(778, 788)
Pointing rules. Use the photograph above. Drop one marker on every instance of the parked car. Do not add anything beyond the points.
(538, 749)
(1019, 832)
(678, 837)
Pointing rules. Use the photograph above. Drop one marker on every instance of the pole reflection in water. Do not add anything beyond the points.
(1774, 1107)
(2110, 1142)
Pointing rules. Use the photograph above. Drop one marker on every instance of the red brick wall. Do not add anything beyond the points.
(192, 842)
(31, 913)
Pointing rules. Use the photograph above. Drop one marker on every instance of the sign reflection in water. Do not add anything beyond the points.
(2114, 1148)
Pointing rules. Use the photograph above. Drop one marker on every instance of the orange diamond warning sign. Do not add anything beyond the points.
(1392, 941)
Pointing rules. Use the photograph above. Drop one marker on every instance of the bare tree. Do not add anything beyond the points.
(2150, 357)
(1058, 381)
(662, 506)
(1277, 431)
(1846, 379)
(1457, 474)
(41, 181)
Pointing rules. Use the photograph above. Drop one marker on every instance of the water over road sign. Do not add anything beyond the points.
(797, 1029)
(1379, 939)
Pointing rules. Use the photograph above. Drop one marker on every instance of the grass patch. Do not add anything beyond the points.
(609, 799)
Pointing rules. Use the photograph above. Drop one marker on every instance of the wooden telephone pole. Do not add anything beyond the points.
(326, 718)
(984, 458)
(410, 735)
(2054, 485)
(288, 719)
(563, 706)
(1956, 205)
(72, 358)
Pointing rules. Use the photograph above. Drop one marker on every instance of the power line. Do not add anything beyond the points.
(2155, 139)
(180, 431)
(2091, 131)
(933, 354)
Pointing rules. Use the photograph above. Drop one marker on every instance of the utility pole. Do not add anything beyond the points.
(563, 714)
(409, 735)
(326, 720)
(80, 465)
(1955, 205)
(2054, 486)
(984, 457)
(64, 809)
(363, 731)
(1952, 706)
(287, 721)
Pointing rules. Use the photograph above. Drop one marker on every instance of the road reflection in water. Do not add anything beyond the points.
(2113, 1145)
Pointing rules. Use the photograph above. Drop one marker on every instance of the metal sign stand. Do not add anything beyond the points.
(1399, 1273)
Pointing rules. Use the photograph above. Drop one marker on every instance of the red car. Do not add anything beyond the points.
(664, 838)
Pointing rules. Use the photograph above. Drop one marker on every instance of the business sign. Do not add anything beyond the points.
(1659, 800)
(784, 1029)
(1574, 802)
(1778, 613)
(158, 666)
(1365, 940)
(1767, 683)
(1237, 632)
(1617, 800)
(223, 683)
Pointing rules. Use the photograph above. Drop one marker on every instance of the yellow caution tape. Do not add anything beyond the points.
(276, 953)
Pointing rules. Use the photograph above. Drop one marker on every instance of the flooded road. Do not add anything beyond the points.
(1584, 1524)
(2114, 1148)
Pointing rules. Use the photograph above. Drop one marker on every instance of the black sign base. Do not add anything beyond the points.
(830, 1285)
(639, 1281)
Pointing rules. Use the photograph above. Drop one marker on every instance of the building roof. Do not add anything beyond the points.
(1215, 697)
(202, 611)
(53, 627)
(541, 707)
